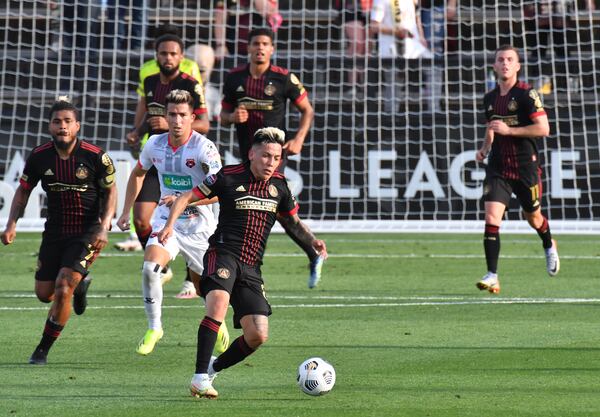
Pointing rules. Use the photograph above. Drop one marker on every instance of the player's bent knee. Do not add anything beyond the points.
(151, 271)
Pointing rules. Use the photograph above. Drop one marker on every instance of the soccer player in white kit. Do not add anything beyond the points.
(183, 159)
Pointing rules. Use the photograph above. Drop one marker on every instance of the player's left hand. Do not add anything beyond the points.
(158, 123)
(164, 235)
(320, 247)
(167, 200)
(100, 240)
(293, 146)
(498, 126)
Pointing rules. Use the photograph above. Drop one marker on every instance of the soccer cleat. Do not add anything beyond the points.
(201, 387)
(80, 295)
(38, 357)
(149, 340)
(489, 282)
(212, 374)
(222, 339)
(166, 275)
(131, 244)
(315, 271)
(187, 291)
(552, 260)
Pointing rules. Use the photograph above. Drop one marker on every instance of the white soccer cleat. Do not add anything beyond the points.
(201, 387)
(187, 291)
(490, 283)
(552, 260)
(131, 244)
(166, 276)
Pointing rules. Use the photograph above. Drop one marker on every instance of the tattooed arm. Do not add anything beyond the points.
(295, 226)
(17, 209)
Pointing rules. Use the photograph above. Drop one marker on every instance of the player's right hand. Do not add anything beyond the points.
(164, 235)
(133, 138)
(481, 154)
(8, 236)
(123, 221)
(240, 115)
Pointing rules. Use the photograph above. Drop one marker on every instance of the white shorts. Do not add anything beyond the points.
(192, 246)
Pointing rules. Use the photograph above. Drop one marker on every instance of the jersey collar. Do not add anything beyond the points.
(174, 148)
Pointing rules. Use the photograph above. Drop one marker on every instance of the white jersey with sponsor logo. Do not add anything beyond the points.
(179, 170)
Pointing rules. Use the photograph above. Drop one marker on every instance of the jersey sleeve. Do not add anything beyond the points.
(533, 104)
(229, 101)
(145, 161)
(377, 11)
(30, 176)
(210, 160)
(288, 206)
(211, 186)
(148, 68)
(106, 170)
(488, 108)
(294, 89)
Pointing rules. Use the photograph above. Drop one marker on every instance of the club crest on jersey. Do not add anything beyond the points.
(270, 90)
(223, 273)
(512, 105)
(273, 191)
(190, 163)
(81, 172)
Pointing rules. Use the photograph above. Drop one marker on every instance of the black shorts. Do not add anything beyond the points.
(527, 190)
(150, 192)
(58, 252)
(244, 283)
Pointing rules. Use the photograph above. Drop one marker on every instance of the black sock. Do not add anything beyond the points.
(545, 235)
(51, 332)
(491, 246)
(237, 352)
(207, 336)
(143, 236)
(306, 247)
(188, 277)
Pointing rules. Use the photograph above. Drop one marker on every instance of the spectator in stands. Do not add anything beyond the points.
(397, 23)
(125, 31)
(204, 56)
(549, 25)
(353, 19)
(234, 19)
(80, 43)
(434, 17)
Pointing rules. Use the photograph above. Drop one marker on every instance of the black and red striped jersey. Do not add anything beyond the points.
(248, 209)
(265, 98)
(74, 186)
(511, 155)
(155, 94)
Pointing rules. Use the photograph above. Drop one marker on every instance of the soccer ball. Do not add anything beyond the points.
(316, 376)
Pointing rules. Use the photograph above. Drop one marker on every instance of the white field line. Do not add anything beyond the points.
(370, 256)
(408, 302)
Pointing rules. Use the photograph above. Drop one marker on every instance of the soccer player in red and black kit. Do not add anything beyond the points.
(254, 96)
(516, 119)
(78, 179)
(252, 196)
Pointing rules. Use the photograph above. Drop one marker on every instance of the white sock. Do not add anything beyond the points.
(153, 294)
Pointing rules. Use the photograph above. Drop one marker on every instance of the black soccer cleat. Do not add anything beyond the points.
(38, 357)
(80, 295)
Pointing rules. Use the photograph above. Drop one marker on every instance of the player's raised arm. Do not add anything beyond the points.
(17, 208)
(177, 208)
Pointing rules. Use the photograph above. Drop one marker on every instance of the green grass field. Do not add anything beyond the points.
(398, 315)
